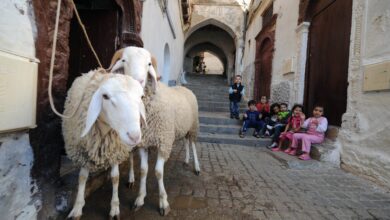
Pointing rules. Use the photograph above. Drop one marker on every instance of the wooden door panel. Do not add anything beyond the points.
(327, 78)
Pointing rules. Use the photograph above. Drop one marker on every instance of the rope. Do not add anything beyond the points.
(53, 53)
(85, 33)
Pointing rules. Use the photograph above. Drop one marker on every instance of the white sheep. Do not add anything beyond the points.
(104, 129)
(171, 112)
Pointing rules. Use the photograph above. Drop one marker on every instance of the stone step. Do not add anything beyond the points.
(217, 118)
(220, 129)
(249, 140)
(211, 109)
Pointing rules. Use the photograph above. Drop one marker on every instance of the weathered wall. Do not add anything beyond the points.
(365, 129)
(285, 46)
(213, 64)
(18, 191)
(285, 49)
(156, 33)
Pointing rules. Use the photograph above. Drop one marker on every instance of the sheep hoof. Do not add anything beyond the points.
(129, 185)
(136, 207)
(185, 164)
(115, 217)
(197, 172)
(164, 212)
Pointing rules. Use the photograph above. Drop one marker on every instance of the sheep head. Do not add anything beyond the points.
(118, 103)
(136, 62)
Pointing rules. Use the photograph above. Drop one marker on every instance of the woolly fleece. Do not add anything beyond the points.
(171, 114)
(91, 151)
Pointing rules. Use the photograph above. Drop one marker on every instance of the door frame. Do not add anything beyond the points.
(266, 33)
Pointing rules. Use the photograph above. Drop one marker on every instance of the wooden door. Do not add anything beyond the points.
(102, 25)
(263, 69)
(328, 53)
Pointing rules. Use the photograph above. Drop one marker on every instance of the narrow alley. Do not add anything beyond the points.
(241, 179)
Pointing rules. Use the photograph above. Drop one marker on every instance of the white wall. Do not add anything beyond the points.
(18, 192)
(365, 129)
(17, 27)
(213, 64)
(156, 33)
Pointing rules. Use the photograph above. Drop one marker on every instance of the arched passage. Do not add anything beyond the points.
(214, 36)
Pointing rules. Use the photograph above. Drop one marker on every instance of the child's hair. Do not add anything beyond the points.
(283, 103)
(251, 102)
(239, 76)
(273, 106)
(318, 105)
(297, 106)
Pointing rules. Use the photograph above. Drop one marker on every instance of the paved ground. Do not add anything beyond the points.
(248, 183)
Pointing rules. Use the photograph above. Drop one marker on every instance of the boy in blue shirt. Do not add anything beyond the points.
(252, 119)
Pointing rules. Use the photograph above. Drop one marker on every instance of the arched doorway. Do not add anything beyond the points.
(264, 69)
(328, 57)
(167, 65)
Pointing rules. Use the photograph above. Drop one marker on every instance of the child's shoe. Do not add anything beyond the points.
(242, 134)
(257, 135)
(237, 117)
(267, 133)
(274, 144)
(269, 127)
(288, 150)
(305, 156)
(276, 149)
(293, 152)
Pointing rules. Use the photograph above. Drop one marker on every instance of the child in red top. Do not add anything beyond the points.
(263, 106)
(294, 124)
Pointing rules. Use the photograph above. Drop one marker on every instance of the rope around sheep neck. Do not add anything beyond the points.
(53, 53)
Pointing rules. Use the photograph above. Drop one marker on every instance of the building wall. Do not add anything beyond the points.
(365, 129)
(156, 33)
(18, 191)
(285, 47)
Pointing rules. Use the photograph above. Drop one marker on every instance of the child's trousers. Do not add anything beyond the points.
(307, 140)
(234, 108)
(257, 125)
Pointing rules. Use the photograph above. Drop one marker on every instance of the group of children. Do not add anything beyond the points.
(280, 123)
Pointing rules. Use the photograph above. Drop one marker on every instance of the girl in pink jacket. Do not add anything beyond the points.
(315, 133)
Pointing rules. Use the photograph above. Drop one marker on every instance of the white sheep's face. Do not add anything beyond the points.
(118, 103)
(135, 62)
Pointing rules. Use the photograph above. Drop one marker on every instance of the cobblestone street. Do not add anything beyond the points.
(239, 182)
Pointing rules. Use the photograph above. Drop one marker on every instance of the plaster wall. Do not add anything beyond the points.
(285, 49)
(365, 129)
(17, 27)
(156, 32)
(18, 191)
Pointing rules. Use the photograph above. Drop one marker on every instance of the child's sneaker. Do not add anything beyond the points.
(276, 149)
(288, 150)
(242, 134)
(266, 133)
(293, 152)
(274, 144)
(257, 135)
(269, 127)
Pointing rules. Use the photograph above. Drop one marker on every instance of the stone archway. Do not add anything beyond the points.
(221, 43)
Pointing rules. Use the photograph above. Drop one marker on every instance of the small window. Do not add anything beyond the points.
(267, 15)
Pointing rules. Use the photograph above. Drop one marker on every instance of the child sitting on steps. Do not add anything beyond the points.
(316, 127)
(295, 121)
(252, 119)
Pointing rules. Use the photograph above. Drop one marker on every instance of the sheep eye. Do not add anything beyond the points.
(105, 96)
(123, 60)
(149, 64)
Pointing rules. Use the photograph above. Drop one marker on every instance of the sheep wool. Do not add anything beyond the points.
(171, 114)
(101, 147)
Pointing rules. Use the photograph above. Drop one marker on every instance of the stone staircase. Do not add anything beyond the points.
(215, 124)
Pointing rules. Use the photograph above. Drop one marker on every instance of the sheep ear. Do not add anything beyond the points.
(143, 114)
(95, 106)
(114, 61)
(153, 74)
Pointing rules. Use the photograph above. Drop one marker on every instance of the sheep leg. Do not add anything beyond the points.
(114, 213)
(164, 205)
(139, 202)
(196, 162)
(77, 210)
(186, 144)
(131, 181)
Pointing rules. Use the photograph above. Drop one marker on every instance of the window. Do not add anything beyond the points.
(267, 15)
